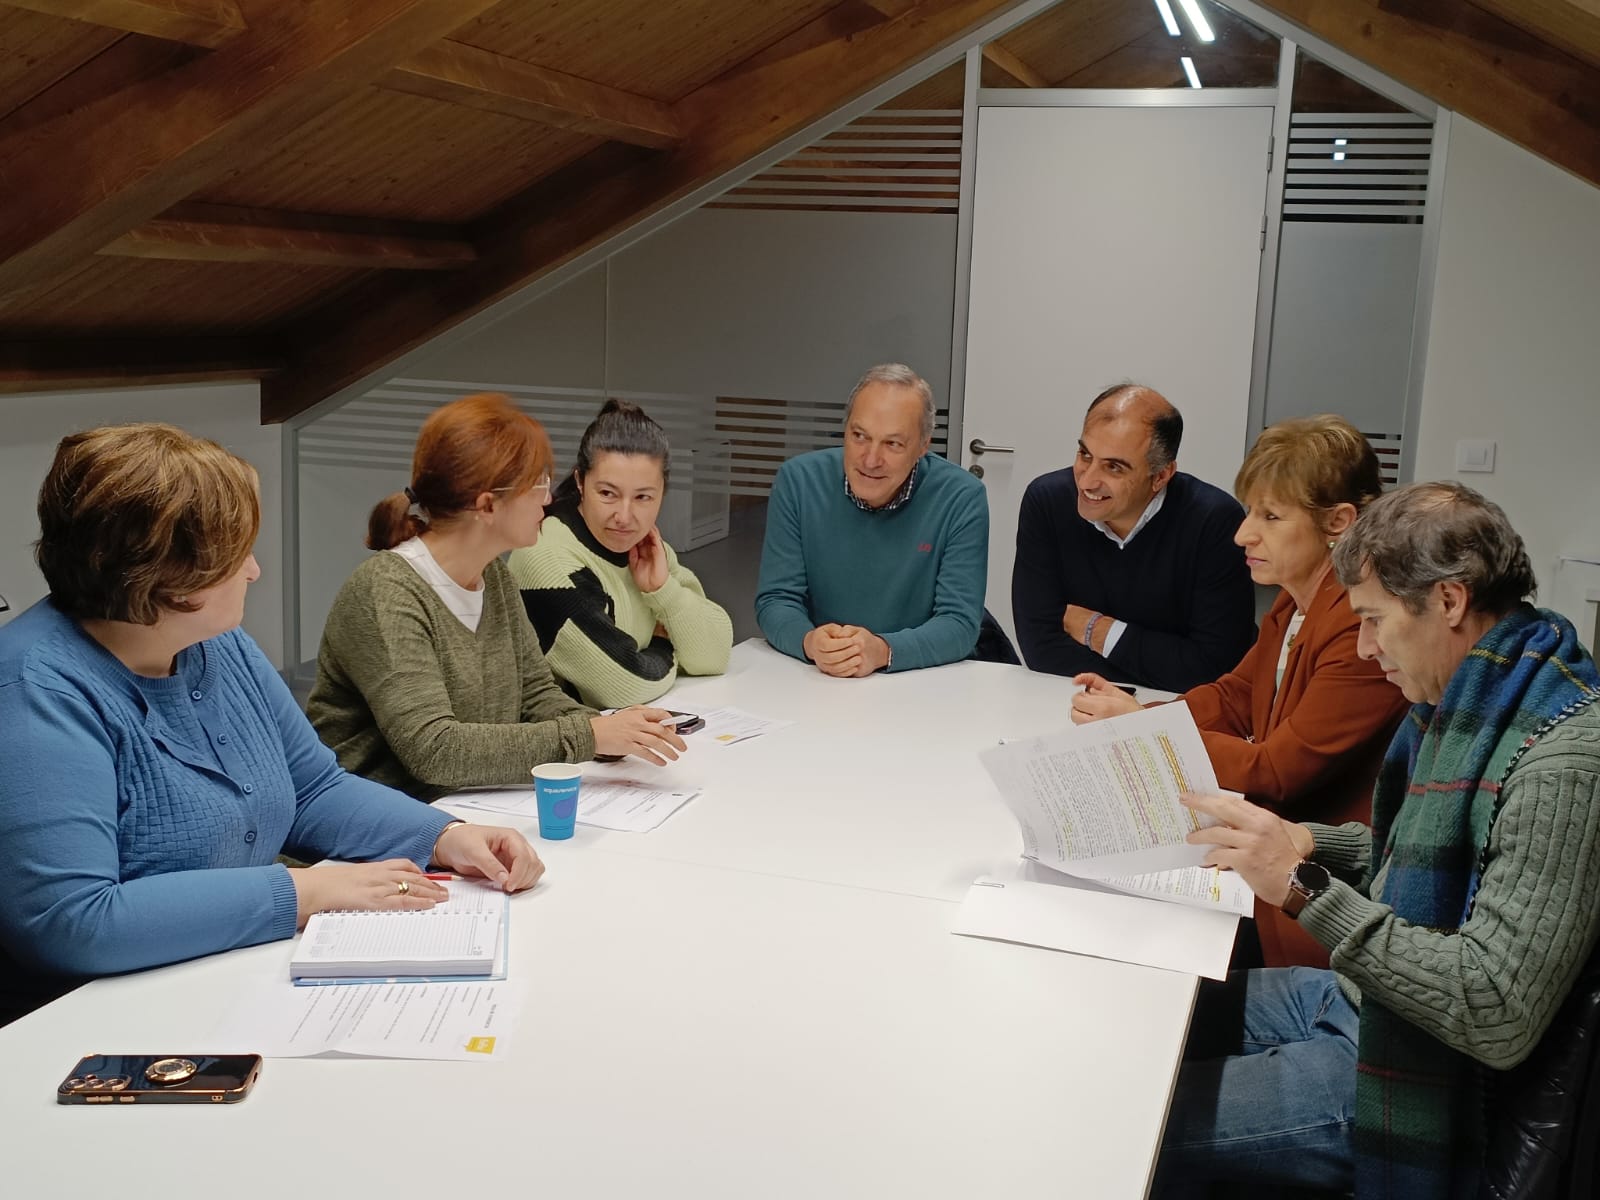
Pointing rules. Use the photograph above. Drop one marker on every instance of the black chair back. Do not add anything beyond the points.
(993, 644)
(1544, 1115)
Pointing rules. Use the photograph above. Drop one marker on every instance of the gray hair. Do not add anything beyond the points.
(897, 375)
(1428, 533)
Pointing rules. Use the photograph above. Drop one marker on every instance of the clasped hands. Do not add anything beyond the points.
(1257, 843)
(846, 651)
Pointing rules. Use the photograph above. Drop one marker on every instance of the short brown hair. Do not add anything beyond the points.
(1315, 462)
(480, 443)
(134, 518)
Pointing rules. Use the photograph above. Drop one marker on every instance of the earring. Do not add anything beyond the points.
(1332, 542)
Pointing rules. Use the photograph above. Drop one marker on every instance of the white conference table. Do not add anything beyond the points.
(761, 998)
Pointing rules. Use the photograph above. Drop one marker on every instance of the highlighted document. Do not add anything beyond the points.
(1100, 802)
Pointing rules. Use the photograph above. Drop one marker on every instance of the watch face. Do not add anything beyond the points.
(1312, 877)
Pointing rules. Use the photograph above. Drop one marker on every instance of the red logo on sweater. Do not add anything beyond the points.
(925, 548)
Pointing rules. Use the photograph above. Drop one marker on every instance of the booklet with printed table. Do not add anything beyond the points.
(462, 938)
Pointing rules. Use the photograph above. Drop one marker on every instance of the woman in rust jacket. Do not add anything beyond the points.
(1301, 724)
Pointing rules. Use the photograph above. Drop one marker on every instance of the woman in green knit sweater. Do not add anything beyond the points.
(429, 678)
(618, 616)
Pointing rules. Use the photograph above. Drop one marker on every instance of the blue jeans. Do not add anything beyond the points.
(1267, 1091)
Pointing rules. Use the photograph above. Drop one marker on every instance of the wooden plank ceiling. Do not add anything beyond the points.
(301, 193)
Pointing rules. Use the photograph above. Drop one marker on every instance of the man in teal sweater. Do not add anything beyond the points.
(876, 554)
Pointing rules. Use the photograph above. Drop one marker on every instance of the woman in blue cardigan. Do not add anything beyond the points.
(155, 763)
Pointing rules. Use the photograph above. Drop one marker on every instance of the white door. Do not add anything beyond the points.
(1108, 244)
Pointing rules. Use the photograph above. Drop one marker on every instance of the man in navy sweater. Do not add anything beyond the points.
(1125, 565)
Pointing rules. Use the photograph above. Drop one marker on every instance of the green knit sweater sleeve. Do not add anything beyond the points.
(429, 705)
(599, 631)
(1491, 988)
(699, 629)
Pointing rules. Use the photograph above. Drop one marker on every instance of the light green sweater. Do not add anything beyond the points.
(408, 695)
(599, 631)
(1491, 989)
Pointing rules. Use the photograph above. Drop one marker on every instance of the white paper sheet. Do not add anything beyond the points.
(1101, 800)
(626, 805)
(472, 1022)
(1086, 919)
(1201, 887)
(725, 726)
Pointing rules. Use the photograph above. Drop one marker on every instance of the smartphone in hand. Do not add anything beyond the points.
(685, 723)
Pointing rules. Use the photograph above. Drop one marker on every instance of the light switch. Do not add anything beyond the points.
(1475, 456)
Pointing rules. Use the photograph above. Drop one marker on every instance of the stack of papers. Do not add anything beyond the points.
(463, 938)
(1098, 806)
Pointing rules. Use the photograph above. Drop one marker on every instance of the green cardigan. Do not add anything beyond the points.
(408, 695)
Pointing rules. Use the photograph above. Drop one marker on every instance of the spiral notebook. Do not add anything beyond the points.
(463, 938)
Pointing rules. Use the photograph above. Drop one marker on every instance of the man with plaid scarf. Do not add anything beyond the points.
(1456, 924)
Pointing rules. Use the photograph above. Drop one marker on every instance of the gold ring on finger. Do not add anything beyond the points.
(403, 887)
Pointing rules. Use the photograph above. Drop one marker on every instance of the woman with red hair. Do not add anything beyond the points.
(429, 677)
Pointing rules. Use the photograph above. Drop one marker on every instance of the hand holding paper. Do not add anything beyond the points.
(1257, 844)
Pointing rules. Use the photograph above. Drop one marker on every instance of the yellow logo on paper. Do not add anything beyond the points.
(480, 1045)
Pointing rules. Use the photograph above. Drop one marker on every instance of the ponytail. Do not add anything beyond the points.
(392, 522)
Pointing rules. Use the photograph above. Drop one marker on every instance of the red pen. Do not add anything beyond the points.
(438, 875)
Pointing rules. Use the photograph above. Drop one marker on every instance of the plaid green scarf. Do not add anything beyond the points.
(1419, 1103)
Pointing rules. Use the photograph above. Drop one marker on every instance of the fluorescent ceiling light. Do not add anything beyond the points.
(1338, 155)
(1188, 69)
(1202, 30)
(1167, 19)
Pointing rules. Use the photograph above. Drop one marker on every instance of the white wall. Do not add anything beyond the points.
(334, 504)
(787, 305)
(1514, 346)
(228, 413)
(558, 341)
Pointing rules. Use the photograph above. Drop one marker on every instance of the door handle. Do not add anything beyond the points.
(979, 446)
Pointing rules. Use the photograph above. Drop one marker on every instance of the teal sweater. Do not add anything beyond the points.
(915, 576)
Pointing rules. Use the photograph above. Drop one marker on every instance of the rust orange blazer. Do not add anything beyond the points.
(1309, 749)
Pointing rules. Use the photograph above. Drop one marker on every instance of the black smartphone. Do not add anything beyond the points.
(160, 1079)
(688, 722)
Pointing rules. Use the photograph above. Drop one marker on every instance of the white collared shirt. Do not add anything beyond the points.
(1150, 510)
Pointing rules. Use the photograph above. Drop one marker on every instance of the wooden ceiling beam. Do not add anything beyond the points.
(216, 233)
(1014, 66)
(81, 181)
(726, 123)
(1473, 63)
(127, 61)
(481, 79)
(1570, 25)
(54, 364)
(208, 23)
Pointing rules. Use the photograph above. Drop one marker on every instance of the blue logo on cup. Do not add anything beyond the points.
(565, 810)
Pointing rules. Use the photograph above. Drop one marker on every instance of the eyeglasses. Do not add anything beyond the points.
(542, 485)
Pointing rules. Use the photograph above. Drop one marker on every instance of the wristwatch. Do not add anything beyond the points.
(1308, 879)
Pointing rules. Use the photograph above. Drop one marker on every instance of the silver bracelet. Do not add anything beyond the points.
(1088, 629)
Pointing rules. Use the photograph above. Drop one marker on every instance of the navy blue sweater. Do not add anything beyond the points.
(1181, 586)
